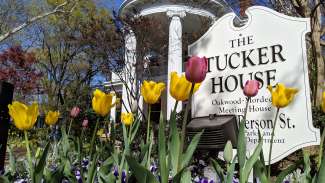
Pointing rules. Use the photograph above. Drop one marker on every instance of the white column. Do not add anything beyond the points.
(129, 74)
(175, 61)
(113, 110)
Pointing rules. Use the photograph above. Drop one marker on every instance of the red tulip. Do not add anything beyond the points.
(196, 69)
(74, 112)
(251, 88)
(85, 123)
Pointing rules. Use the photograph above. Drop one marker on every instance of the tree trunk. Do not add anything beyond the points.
(316, 28)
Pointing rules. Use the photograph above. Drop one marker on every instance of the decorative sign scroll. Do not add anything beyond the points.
(270, 48)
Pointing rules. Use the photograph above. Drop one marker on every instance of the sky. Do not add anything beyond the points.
(110, 4)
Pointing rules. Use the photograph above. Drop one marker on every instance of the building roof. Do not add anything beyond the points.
(212, 8)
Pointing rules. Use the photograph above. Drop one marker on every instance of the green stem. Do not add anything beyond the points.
(148, 124)
(246, 108)
(150, 148)
(321, 149)
(271, 142)
(80, 154)
(172, 120)
(175, 107)
(188, 106)
(129, 136)
(106, 126)
(93, 139)
(29, 157)
(125, 152)
(182, 142)
(70, 126)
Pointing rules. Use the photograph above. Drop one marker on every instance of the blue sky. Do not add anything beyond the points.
(110, 4)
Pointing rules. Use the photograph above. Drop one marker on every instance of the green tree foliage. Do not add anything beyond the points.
(74, 50)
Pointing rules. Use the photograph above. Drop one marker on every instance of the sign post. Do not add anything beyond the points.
(270, 48)
(6, 94)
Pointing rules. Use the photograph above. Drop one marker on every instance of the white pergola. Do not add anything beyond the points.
(182, 15)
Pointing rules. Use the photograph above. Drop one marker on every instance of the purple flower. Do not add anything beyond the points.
(78, 176)
(153, 168)
(115, 171)
(123, 176)
(84, 163)
(235, 180)
(204, 180)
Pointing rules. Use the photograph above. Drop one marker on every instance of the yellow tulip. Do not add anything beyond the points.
(127, 118)
(180, 88)
(52, 117)
(102, 102)
(282, 96)
(323, 102)
(151, 91)
(24, 116)
(100, 132)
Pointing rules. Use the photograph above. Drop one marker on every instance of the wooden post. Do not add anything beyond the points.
(6, 95)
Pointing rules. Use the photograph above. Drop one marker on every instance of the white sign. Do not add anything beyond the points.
(270, 48)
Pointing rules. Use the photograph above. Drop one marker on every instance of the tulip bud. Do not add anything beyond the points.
(134, 106)
(74, 111)
(85, 123)
(196, 69)
(227, 153)
(251, 88)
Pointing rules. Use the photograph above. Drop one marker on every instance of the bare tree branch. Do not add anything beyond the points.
(57, 9)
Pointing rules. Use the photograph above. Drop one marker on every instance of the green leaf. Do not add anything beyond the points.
(143, 152)
(162, 151)
(135, 128)
(54, 177)
(104, 174)
(107, 165)
(178, 176)
(12, 161)
(251, 161)
(218, 169)
(190, 150)
(65, 142)
(125, 137)
(288, 171)
(39, 169)
(174, 144)
(306, 175)
(4, 179)
(260, 171)
(321, 176)
(186, 177)
(92, 169)
(141, 173)
(103, 178)
(241, 146)
(262, 159)
(67, 172)
(230, 172)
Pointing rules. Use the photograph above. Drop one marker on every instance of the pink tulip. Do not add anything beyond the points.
(85, 123)
(196, 69)
(251, 88)
(74, 112)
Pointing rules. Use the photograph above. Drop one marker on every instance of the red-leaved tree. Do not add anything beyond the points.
(18, 67)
